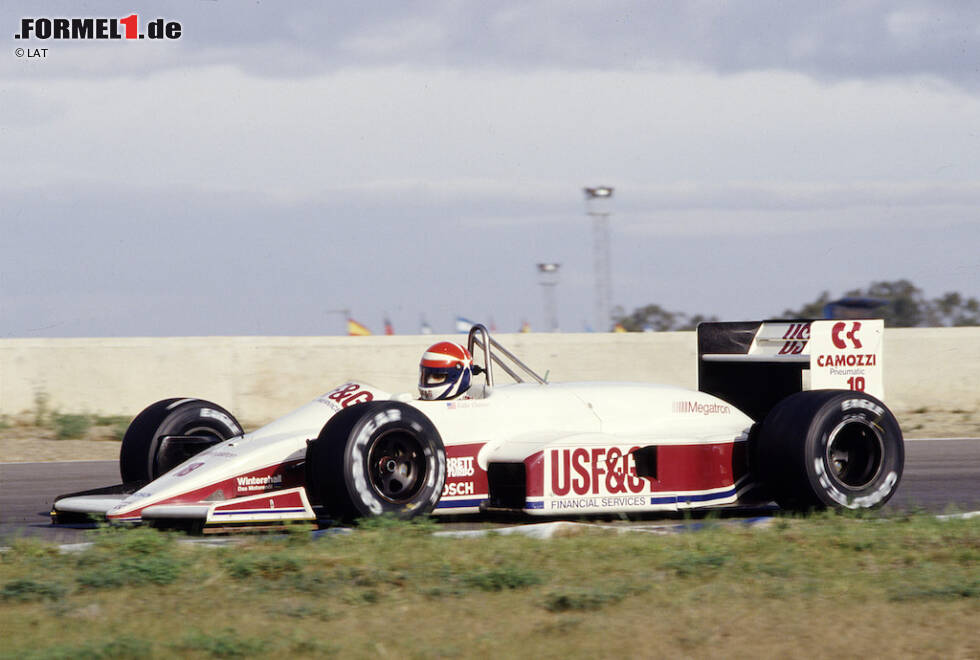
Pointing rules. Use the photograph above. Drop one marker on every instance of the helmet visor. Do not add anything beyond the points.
(433, 377)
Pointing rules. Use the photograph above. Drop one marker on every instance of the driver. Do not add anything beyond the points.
(445, 371)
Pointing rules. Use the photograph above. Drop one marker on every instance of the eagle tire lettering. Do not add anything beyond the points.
(851, 404)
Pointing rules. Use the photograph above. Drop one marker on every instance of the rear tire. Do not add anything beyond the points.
(377, 458)
(139, 456)
(830, 448)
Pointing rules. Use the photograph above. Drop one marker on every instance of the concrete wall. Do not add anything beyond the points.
(260, 378)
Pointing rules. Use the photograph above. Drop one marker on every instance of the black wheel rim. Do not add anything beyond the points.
(854, 453)
(397, 466)
(159, 466)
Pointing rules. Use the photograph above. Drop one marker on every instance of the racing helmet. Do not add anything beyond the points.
(445, 371)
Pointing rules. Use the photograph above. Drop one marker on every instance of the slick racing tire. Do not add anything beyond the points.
(830, 448)
(374, 459)
(140, 457)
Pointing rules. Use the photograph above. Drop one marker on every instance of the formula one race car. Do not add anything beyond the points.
(785, 411)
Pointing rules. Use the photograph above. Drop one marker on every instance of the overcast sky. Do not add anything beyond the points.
(282, 160)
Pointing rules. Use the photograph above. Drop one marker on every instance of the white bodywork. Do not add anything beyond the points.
(581, 444)
(510, 424)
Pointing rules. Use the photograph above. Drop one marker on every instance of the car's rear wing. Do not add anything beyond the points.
(754, 365)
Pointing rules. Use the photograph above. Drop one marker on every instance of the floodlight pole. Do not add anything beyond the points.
(548, 279)
(597, 202)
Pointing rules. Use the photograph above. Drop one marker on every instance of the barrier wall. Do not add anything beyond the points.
(260, 378)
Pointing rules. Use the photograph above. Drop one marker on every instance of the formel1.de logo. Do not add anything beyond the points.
(82, 29)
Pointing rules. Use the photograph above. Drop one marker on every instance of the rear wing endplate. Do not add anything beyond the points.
(754, 365)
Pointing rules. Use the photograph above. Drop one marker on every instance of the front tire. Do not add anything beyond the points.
(830, 448)
(377, 458)
(140, 458)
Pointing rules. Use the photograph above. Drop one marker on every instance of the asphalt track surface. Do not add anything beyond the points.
(940, 476)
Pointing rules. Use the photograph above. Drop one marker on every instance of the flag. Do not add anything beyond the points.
(525, 326)
(463, 324)
(389, 330)
(355, 329)
(424, 327)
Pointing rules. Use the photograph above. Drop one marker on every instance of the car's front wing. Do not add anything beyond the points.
(287, 505)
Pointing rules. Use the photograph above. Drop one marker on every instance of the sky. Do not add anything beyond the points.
(279, 162)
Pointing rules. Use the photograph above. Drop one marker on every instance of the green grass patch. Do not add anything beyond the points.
(70, 426)
(499, 579)
(115, 425)
(25, 589)
(696, 562)
(120, 647)
(392, 588)
(79, 426)
(938, 588)
(122, 557)
(224, 644)
(261, 565)
(67, 426)
(568, 599)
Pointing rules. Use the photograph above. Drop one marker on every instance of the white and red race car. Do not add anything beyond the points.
(785, 411)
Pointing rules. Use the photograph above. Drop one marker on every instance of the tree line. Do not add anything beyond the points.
(900, 303)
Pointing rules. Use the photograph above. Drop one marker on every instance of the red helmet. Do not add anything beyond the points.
(445, 371)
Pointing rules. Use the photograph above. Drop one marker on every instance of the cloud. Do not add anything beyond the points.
(415, 136)
(295, 155)
(23, 108)
(839, 40)
(396, 41)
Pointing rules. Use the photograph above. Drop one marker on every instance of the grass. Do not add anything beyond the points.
(826, 586)
(68, 426)
(116, 424)
(71, 426)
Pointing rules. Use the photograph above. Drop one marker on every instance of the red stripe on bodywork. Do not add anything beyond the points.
(534, 475)
(289, 500)
(694, 467)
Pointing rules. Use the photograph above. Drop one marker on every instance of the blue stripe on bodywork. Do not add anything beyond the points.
(459, 504)
(706, 497)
